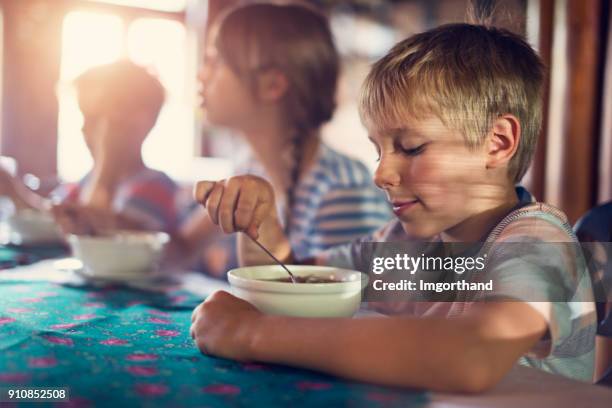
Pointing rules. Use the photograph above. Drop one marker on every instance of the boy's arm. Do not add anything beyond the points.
(466, 354)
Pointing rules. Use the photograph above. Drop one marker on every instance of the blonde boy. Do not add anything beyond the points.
(454, 114)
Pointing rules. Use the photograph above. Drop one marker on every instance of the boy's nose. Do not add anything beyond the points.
(385, 175)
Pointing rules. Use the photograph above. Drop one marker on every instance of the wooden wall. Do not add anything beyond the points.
(31, 57)
(570, 170)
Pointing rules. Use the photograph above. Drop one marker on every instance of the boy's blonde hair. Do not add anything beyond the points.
(467, 75)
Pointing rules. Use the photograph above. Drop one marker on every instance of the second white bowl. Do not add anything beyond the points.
(125, 255)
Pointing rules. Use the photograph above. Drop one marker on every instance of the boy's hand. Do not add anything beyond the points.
(84, 220)
(241, 203)
(223, 326)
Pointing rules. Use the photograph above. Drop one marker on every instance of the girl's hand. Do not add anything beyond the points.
(241, 203)
(223, 326)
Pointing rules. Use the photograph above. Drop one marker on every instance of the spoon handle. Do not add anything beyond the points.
(273, 257)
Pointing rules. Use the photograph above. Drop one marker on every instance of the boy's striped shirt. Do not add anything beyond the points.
(149, 197)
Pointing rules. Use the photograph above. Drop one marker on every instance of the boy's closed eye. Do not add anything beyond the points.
(408, 151)
(413, 151)
(404, 141)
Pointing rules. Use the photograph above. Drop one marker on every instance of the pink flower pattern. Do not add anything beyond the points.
(142, 357)
(114, 342)
(143, 371)
(151, 390)
(32, 300)
(94, 304)
(312, 386)
(19, 310)
(221, 389)
(59, 340)
(85, 316)
(159, 320)
(42, 362)
(167, 333)
(5, 320)
(64, 325)
(14, 377)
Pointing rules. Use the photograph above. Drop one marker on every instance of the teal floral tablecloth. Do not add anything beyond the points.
(12, 255)
(119, 347)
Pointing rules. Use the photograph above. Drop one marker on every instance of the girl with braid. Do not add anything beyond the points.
(270, 73)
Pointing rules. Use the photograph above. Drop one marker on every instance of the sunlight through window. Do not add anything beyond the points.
(161, 45)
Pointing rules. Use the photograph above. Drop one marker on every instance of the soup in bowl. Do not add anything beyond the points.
(320, 291)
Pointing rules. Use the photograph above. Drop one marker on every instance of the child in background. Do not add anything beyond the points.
(120, 103)
(454, 113)
(594, 229)
(270, 73)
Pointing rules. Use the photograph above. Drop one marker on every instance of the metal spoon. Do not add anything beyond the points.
(273, 257)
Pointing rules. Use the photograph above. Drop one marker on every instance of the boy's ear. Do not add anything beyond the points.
(503, 140)
(272, 85)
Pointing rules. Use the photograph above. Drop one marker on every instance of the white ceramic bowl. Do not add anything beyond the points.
(33, 227)
(339, 299)
(125, 255)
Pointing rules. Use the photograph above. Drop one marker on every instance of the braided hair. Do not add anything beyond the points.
(298, 140)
